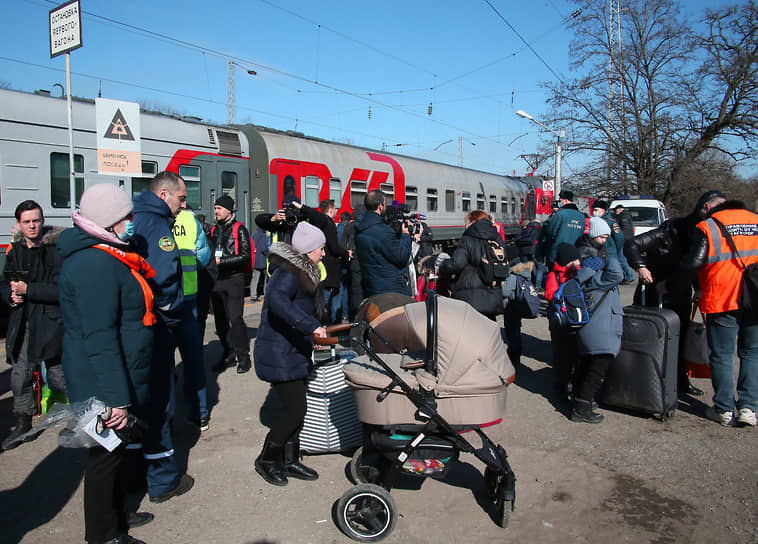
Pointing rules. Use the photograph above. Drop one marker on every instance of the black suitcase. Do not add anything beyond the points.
(643, 377)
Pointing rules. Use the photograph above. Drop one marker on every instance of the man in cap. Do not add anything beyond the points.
(232, 256)
(566, 225)
(615, 244)
(720, 271)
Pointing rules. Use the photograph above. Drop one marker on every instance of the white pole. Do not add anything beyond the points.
(72, 173)
(557, 183)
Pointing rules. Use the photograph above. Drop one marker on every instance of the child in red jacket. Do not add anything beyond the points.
(563, 341)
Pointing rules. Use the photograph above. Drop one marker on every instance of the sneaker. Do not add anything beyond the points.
(724, 418)
(185, 484)
(746, 417)
(204, 423)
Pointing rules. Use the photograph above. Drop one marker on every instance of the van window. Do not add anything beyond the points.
(644, 217)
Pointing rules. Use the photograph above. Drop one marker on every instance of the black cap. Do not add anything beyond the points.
(225, 201)
(566, 253)
(706, 196)
(600, 204)
(566, 194)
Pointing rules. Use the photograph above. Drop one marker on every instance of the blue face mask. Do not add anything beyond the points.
(128, 231)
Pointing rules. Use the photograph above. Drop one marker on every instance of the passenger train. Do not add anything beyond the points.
(252, 164)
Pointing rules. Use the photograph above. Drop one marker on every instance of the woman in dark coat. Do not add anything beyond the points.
(107, 344)
(283, 346)
(464, 264)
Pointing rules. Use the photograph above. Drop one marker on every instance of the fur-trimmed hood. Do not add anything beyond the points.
(287, 257)
(49, 235)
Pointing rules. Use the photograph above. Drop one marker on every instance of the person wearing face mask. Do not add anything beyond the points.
(107, 310)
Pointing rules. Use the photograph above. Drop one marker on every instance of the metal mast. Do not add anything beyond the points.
(231, 106)
(615, 81)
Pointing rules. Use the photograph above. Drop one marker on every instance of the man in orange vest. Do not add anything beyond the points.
(720, 276)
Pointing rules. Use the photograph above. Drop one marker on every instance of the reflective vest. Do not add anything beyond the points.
(185, 234)
(721, 275)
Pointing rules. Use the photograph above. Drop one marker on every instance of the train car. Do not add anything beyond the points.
(34, 160)
(312, 169)
(254, 165)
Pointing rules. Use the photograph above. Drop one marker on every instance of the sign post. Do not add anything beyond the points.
(65, 36)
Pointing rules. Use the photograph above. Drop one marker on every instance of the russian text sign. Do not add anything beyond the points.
(118, 137)
(65, 28)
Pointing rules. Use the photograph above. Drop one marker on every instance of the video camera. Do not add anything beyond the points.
(291, 214)
(401, 215)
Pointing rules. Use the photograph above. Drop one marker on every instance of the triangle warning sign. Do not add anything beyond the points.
(118, 129)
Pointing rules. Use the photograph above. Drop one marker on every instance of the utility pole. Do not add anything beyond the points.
(231, 99)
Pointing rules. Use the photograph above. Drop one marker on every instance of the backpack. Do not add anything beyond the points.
(527, 236)
(526, 298)
(493, 268)
(236, 235)
(569, 307)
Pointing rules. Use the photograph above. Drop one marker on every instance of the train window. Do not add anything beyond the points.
(357, 193)
(312, 190)
(389, 191)
(431, 200)
(479, 201)
(59, 179)
(493, 204)
(149, 170)
(466, 202)
(513, 206)
(411, 197)
(191, 177)
(449, 200)
(335, 191)
(504, 205)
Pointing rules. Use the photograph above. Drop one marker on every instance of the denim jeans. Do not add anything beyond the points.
(628, 273)
(726, 331)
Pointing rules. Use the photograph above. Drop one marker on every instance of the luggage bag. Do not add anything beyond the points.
(643, 377)
(331, 421)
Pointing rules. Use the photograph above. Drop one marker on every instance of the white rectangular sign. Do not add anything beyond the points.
(118, 137)
(65, 28)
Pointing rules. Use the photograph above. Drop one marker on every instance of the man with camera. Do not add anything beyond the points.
(35, 327)
(383, 253)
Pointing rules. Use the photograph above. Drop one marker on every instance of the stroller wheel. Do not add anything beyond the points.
(356, 472)
(366, 513)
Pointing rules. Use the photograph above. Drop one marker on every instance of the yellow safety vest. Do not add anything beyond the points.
(185, 234)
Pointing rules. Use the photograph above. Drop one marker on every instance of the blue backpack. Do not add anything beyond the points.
(569, 307)
(526, 298)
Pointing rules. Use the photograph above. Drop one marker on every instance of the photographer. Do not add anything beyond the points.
(383, 253)
(282, 223)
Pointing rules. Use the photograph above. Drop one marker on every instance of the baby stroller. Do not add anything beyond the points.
(443, 371)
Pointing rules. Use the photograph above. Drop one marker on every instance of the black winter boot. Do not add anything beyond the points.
(270, 463)
(244, 364)
(582, 412)
(23, 425)
(292, 465)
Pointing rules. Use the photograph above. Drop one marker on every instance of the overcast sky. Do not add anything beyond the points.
(321, 66)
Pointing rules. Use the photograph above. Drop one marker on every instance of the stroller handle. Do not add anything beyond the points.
(334, 340)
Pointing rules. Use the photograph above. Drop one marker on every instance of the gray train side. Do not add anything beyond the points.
(252, 164)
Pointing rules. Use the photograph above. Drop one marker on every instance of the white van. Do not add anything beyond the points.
(646, 214)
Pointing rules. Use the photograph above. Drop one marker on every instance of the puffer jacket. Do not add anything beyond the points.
(602, 334)
(384, 258)
(463, 266)
(107, 349)
(283, 345)
(40, 309)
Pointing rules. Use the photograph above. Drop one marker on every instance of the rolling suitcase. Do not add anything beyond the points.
(643, 377)
(331, 421)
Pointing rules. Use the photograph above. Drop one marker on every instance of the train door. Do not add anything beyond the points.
(232, 180)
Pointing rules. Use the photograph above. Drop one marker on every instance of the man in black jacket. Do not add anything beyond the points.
(656, 255)
(35, 327)
(232, 254)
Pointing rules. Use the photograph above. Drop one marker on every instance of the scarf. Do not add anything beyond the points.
(141, 270)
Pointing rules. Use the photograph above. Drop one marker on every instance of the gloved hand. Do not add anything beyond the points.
(595, 263)
(441, 258)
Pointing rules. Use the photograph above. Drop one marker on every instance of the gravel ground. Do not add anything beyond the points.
(630, 479)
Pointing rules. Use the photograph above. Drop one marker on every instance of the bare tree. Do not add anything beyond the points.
(679, 94)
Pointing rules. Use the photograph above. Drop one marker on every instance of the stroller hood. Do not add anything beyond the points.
(472, 358)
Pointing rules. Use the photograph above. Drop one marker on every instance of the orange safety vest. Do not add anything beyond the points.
(721, 275)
